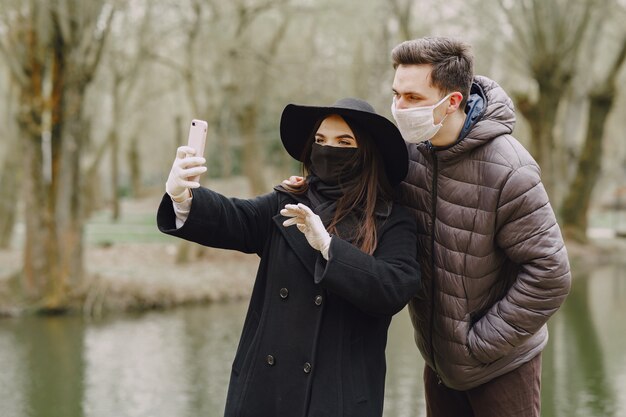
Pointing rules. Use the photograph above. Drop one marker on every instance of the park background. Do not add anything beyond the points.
(101, 315)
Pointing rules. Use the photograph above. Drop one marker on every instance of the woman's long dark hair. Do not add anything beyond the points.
(359, 196)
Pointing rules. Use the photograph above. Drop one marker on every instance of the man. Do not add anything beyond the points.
(494, 265)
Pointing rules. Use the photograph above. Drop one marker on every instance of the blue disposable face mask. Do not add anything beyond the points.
(417, 124)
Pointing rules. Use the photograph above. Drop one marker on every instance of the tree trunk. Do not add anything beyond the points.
(10, 174)
(115, 175)
(401, 11)
(92, 196)
(36, 269)
(115, 151)
(218, 153)
(71, 217)
(575, 209)
(53, 245)
(252, 155)
(541, 116)
(9, 192)
(134, 163)
(54, 261)
(576, 204)
(42, 276)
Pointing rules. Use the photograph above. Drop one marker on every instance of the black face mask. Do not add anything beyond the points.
(329, 164)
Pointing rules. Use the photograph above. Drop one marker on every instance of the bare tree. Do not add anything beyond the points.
(239, 67)
(229, 86)
(126, 59)
(248, 106)
(126, 86)
(575, 208)
(53, 53)
(193, 16)
(547, 38)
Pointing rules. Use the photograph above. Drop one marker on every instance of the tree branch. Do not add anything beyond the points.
(16, 69)
(573, 47)
(617, 66)
(519, 32)
(166, 61)
(93, 52)
(62, 16)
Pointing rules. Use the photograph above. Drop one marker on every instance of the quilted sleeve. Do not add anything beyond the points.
(528, 233)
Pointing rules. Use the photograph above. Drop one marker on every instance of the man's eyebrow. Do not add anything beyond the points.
(414, 93)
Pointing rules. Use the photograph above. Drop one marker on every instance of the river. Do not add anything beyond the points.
(177, 362)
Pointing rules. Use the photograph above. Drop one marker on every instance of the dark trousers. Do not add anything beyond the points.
(516, 394)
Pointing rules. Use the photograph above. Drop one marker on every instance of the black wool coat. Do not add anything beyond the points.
(313, 341)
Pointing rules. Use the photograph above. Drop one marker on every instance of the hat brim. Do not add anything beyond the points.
(297, 123)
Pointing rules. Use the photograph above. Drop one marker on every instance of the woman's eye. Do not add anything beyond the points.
(319, 140)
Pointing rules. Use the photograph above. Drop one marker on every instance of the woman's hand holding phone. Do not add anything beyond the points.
(188, 164)
(185, 168)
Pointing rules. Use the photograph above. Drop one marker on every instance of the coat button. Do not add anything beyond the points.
(284, 292)
(270, 360)
(307, 368)
(318, 300)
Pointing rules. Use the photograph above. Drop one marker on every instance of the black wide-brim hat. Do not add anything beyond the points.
(297, 123)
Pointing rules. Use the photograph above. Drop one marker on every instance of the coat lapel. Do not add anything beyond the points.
(298, 243)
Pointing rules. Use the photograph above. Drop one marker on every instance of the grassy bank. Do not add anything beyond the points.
(131, 265)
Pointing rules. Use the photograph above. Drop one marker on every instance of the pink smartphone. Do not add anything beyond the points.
(197, 139)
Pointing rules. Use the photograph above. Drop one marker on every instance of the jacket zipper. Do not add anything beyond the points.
(432, 253)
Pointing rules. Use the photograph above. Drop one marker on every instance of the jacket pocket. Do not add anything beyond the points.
(249, 330)
(468, 354)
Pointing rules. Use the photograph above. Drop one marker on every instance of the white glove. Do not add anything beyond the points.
(185, 166)
(310, 224)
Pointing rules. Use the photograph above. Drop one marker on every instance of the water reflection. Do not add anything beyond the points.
(44, 360)
(134, 368)
(162, 364)
(586, 355)
(404, 390)
(12, 377)
(177, 363)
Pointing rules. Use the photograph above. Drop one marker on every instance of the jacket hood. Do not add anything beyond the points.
(490, 113)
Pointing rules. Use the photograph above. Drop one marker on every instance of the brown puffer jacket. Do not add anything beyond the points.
(494, 265)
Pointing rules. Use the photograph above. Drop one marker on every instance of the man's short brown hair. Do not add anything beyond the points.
(452, 62)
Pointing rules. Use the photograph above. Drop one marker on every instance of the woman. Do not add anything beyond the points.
(313, 342)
